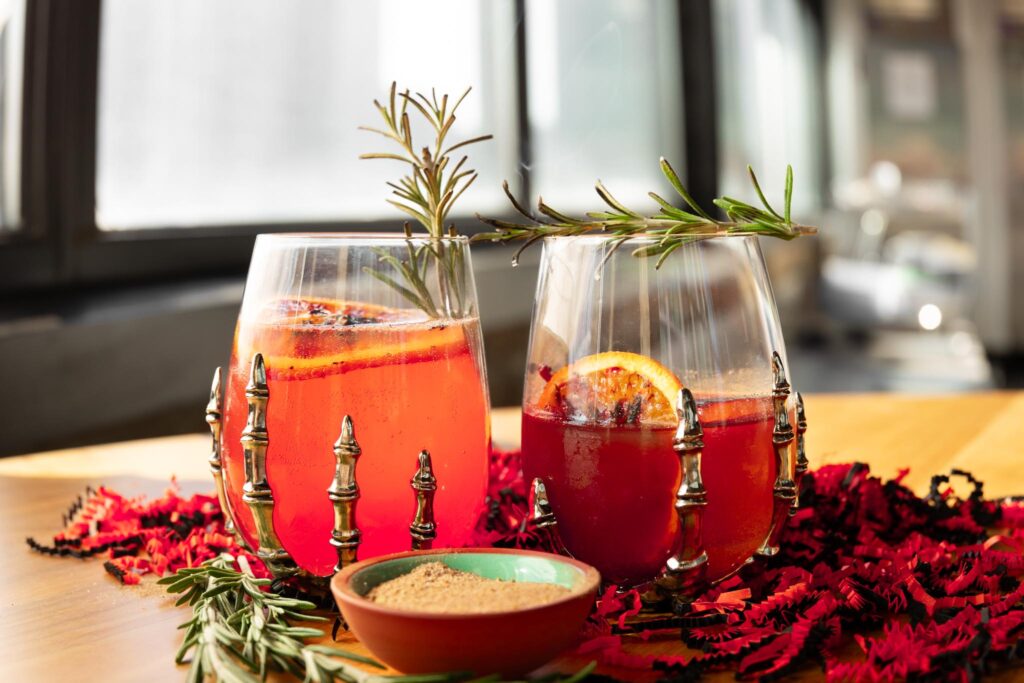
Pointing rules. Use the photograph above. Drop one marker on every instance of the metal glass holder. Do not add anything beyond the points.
(423, 529)
(684, 573)
(256, 493)
(214, 418)
(784, 490)
(343, 494)
(802, 463)
(542, 519)
(343, 491)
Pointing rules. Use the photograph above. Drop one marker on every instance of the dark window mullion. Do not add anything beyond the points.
(696, 29)
(35, 207)
(29, 256)
(816, 11)
(59, 134)
(522, 105)
(72, 121)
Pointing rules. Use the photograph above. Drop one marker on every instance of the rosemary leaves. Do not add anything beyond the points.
(673, 226)
(240, 630)
(427, 193)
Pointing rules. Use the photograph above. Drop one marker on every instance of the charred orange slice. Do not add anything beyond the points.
(615, 387)
(305, 338)
(315, 311)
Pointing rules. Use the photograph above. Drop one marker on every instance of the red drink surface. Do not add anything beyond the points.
(612, 487)
(407, 385)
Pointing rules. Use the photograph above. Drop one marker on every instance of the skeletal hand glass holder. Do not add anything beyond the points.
(328, 341)
(669, 507)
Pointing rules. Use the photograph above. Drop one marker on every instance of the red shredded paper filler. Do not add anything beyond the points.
(916, 587)
(141, 536)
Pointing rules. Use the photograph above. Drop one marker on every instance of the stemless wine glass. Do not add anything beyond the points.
(343, 330)
(612, 342)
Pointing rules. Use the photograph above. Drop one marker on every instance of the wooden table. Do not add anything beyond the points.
(64, 619)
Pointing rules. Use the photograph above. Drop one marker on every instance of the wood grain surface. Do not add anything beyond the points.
(65, 619)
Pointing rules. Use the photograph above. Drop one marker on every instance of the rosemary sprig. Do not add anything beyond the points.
(240, 630)
(427, 193)
(672, 225)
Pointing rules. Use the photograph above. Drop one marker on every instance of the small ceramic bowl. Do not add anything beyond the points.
(509, 643)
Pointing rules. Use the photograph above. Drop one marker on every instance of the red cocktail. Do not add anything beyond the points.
(613, 486)
(600, 435)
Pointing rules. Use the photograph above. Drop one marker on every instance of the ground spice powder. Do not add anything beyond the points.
(436, 587)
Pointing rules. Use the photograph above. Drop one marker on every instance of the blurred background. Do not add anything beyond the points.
(143, 145)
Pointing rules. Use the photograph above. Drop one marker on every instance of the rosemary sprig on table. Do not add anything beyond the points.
(673, 226)
(426, 193)
(240, 630)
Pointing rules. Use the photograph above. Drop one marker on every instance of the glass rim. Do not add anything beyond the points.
(356, 237)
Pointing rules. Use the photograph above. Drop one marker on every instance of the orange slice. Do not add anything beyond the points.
(303, 338)
(613, 387)
(318, 311)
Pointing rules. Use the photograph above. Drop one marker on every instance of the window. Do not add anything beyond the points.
(768, 97)
(604, 97)
(161, 137)
(244, 111)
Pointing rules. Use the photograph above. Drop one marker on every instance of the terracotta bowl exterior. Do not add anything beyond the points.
(508, 643)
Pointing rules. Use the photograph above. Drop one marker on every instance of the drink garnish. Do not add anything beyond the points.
(615, 387)
(672, 225)
(427, 194)
(305, 352)
(331, 312)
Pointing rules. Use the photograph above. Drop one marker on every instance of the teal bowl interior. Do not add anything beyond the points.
(504, 566)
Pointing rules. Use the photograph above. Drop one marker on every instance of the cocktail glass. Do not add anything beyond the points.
(335, 321)
(613, 341)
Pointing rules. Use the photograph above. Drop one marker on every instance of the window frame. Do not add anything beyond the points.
(59, 244)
